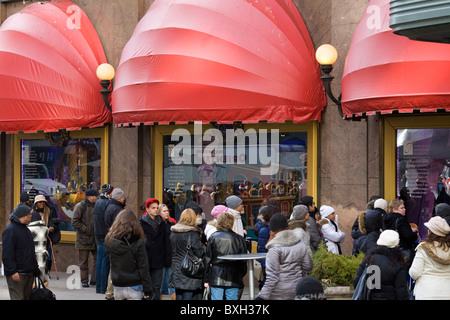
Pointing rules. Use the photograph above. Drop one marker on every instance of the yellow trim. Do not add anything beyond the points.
(102, 133)
(391, 125)
(311, 128)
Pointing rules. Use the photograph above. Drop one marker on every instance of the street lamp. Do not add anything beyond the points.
(105, 73)
(326, 55)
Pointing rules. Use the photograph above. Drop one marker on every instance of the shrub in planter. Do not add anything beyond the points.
(333, 269)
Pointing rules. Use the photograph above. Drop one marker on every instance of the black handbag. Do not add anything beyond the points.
(192, 266)
(40, 292)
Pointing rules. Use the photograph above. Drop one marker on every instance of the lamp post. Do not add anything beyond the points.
(326, 55)
(105, 73)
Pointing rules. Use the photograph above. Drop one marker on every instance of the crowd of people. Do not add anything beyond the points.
(147, 254)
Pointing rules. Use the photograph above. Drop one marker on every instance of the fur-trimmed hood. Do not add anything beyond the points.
(284, 238)
(180, 227)
(436, 253)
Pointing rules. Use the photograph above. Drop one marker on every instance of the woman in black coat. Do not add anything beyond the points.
(224, 277)
(389, 280)
(186, 230)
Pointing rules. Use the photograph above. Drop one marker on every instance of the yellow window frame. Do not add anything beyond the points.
(391, 125)
(68, 237)
(311, 128)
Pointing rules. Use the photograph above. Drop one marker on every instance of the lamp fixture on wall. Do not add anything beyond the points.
(105, 73)
(326, 55)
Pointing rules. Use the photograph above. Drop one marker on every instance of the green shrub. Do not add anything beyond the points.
(333, 269)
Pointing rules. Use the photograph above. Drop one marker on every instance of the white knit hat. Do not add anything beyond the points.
(438, 226)
(380, 203)
(388, 238)
(325, 211)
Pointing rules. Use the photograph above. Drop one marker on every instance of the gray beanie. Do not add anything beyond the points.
(299, 212)
(21, 210)
(443, 210)
(233, 202)
(117, 194)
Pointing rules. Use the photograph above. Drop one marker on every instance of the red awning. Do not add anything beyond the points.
(216, 60)
(385, 72)
(49, 54)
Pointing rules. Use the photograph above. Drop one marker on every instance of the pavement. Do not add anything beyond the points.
(63, 288)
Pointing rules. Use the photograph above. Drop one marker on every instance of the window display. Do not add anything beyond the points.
(423, 172)
(253, 164)
(61, 169)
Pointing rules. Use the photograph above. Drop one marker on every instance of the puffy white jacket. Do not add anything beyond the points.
(431, 270)
(331, 235)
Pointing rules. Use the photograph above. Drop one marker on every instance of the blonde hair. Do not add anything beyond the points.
(188, 217)
(225, 221)
(395, 204)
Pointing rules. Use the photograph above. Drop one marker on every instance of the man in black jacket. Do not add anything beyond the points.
(19, 258)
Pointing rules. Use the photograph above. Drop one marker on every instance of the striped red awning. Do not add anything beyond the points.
(49, 54)
(217, 60)
(385, 72)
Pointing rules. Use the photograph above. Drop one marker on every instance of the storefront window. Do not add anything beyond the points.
(423, 172)
(207, 167)
(62, 169)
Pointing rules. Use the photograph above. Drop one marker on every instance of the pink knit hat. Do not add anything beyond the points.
(218, 210)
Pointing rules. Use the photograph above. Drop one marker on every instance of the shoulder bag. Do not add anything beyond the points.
(192, 266)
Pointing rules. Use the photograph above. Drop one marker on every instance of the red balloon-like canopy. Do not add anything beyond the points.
(218, 60)
(385, 72)
(49, 54)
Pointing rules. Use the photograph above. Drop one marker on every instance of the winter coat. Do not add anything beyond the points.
(263, 237)
(129, 264)
(157, 244)
(18, 252)
(287, 261)
(397, 222)
(431, 270)
(369, 226)
(393, 284)
(39, 232)
(332, 235)
(111, 212)
(301, 230)
(179, 237)
(220, 272)
(314, 232)
(50, 220)
(99, 217)
(83, 222)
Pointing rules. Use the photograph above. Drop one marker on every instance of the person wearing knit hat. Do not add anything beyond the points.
(389, 275)
(149, 201)
(107, 189)
(330, 230)
(309, 288)
(300, 212)
(443, 210)
(431, 264)
(236, 208)
(18, 254)
(388, 239)
(117, 194)
(287, 261)
(381, 204)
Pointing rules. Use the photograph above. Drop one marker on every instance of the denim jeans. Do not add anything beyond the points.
(165, 283)
(230, 293)
(102, 267)
(157, 276)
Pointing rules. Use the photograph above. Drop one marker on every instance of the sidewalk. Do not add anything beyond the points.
(61, 289)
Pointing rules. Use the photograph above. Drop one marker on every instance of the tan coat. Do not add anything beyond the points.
(84, 224)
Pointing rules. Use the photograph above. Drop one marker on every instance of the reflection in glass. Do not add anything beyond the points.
(60, 172)
(207, 169)
(423, 172)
